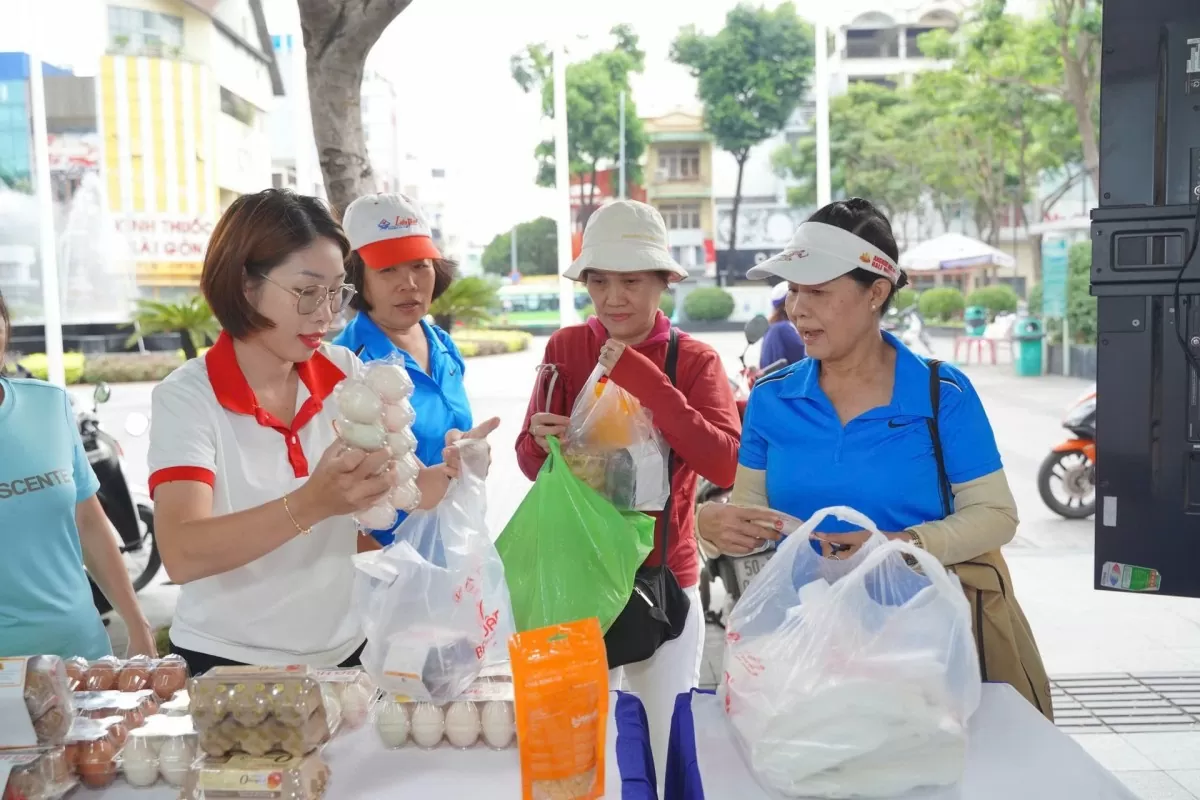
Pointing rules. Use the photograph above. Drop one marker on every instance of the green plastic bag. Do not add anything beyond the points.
(568, 553)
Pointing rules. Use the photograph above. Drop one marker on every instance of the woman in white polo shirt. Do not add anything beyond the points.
(252, 490)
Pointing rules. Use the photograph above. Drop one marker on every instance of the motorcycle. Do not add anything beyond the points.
(729, 569)
(1071, 464)
(132, 514)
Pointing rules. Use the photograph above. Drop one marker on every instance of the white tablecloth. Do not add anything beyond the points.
(1014, 753)
(363, 769)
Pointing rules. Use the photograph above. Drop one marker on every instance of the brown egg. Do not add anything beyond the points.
(118, 732)
(133, 718)
(96, 766)
(77, 669)
(102, 675)
(133, 679)
(71, 753)
(169, 677)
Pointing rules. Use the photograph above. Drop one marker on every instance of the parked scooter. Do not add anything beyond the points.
(1070, 468)
(131, 515)
(722, 567)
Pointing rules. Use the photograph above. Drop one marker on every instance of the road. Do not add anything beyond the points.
(1079, 630)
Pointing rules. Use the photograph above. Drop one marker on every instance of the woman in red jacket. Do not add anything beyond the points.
(626, 264)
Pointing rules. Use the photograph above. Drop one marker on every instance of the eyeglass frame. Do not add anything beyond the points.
(329, 295)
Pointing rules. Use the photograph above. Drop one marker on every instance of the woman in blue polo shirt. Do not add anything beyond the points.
(851, 424)
(399, 272)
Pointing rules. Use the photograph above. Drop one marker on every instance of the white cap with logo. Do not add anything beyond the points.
(388, 229)
(818, 253)
(626, 236)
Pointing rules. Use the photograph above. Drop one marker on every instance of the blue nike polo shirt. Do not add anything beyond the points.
(880, 463)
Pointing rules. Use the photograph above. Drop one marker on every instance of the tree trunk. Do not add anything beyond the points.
(1080, 98)
(189, 347)
(338, 34)
(733, 222)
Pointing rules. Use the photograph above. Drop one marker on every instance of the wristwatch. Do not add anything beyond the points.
(915, 538)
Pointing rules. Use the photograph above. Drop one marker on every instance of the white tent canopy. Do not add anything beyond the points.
(951, 251)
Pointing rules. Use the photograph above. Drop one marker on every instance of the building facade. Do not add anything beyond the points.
(679, 183)
(185, 89)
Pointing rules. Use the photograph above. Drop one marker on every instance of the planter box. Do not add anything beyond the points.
(1083, 361)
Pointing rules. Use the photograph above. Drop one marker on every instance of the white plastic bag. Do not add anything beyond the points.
(435, 604)
(851, 678)
(611, 444)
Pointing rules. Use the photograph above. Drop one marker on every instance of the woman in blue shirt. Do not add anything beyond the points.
(399, 272)
(852, 424)
(782, 341)
(51, 525)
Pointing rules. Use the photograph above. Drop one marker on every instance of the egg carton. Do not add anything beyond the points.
(165, 747)
(36, 706)
(463, 724)
(35, 774)
(133, 707)
(277, 777)
(164, 676)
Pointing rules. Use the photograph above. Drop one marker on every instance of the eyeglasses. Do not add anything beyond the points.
(309, 299)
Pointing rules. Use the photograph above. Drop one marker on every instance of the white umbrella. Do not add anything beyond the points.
(954, 250)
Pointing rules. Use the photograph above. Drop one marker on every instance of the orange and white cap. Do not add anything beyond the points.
(388, 229)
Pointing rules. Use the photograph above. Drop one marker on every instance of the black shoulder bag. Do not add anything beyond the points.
(935, 400)
(658, 608)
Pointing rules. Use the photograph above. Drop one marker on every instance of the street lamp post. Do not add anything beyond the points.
(821, 89)
(562, 178)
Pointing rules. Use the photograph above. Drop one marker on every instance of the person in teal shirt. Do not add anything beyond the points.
(398, 272)
(51, 524)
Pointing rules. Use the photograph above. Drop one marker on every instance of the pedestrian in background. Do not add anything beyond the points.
(782, 341)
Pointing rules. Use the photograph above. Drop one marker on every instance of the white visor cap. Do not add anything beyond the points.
(626, 236)
(818, 253)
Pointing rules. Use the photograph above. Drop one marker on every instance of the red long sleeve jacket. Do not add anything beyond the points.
(697, 417)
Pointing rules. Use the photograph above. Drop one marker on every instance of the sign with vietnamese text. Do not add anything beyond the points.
(171, 238)
(1054, 277)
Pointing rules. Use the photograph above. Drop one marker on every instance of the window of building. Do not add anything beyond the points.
(873, 35)
(680, 164)
(149, 32)
(238, 107)
(681, 217)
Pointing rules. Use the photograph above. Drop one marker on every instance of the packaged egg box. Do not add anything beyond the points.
(164, 676)
(374, 412)
(39, 774)
(164, 747)
(256, 710)
(484, 713)
(92, 747)
(36, 707)
(133, 707)
(277, 776)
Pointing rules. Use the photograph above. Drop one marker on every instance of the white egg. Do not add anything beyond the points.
(462, 724)
(391, 722)
(402, 442)
(398, 416)
(390, 381)
(356, 704)
(377, 518)
(405, 497)
(406, 468)
(428, 725)
(175, 759)
(140, 773)
(359, 402)
(370, 436)
(499, 724)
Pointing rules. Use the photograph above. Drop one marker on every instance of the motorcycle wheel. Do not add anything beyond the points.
(141, 565)
(1072, 473)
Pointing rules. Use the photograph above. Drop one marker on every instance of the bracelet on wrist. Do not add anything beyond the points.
(299, 529)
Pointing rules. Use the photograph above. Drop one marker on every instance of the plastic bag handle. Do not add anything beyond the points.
(930, 566)
(844, 513)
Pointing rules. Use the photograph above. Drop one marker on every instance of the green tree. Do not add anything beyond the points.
(997, 299)
(468, 301)
(594, 89)
(537, 249)
(905, 299)
(750, 78)
(191, 318)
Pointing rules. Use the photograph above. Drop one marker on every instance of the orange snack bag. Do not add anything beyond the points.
(560, 680)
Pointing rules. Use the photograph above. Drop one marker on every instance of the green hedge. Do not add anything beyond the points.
(708, 304)
(941, 304)
(997, 299)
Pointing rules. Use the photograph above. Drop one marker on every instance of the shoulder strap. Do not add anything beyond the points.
(670, 366)
(935, 401)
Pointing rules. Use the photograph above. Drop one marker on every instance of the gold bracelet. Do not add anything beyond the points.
(292, 517)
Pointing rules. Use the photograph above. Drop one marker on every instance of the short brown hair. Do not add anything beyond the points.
(445, 270)
(257, 233)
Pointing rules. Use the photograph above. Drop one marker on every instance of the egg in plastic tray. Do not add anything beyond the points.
(164, 676)
(256, 710)
(164, 746)
(133, 707)
(484, 713)
(35, 774)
